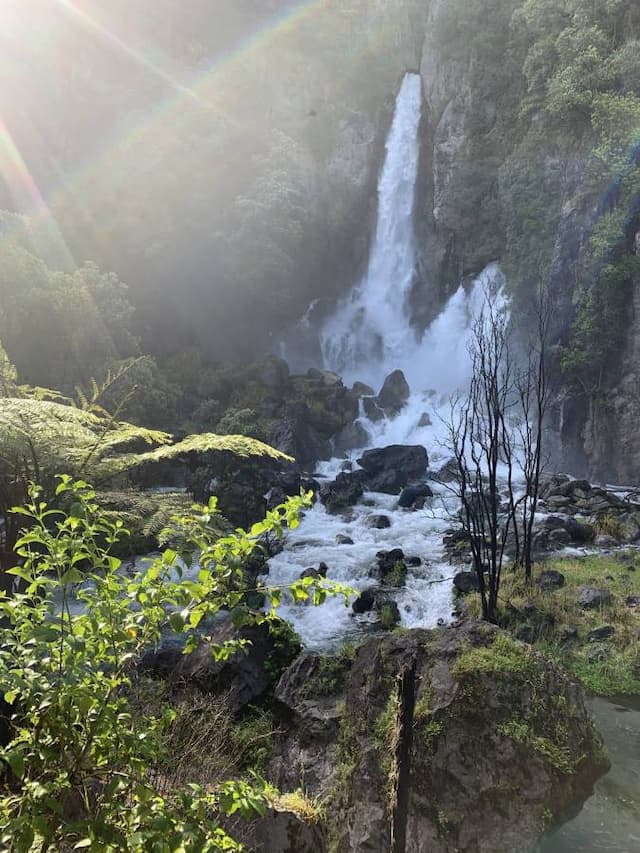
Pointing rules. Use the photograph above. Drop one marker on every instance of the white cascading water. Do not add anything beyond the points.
(369, 335)
(369, 328)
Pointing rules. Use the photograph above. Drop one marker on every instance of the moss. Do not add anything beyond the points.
(330, 676)
(286, 647)
(504, 655)
(305, 807)
(397, 575)
(558, 754)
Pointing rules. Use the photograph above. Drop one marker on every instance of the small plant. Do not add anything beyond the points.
(86, 768)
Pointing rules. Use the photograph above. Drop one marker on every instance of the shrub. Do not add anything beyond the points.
(83, 764)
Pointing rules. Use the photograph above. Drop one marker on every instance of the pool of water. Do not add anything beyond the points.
(610, 819)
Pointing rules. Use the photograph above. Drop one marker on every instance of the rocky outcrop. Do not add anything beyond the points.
(243, 677)
(456, 740)
(394, 393)
(390, 469)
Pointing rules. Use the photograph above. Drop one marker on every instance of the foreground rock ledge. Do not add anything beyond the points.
(458, 739)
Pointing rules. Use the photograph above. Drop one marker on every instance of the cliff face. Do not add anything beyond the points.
(521, 165)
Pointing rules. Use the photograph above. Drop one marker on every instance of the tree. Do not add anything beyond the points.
(82, 758)
(496, 434)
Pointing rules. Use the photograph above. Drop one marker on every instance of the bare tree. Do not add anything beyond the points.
(496, 435)
(532, 399)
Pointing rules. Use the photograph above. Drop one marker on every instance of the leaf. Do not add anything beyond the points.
(16, 762)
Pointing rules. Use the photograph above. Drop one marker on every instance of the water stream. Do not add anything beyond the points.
(610, 820)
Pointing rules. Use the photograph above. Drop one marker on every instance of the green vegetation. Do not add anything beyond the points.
(330, 676)
(83, 766)
(560, 626)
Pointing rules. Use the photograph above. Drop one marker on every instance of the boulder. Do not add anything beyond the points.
(351, 437)
(417, 710)
(343, 539)
(361, 389)
(550, 580)
(447, 473)
(394, 393)
(466, 582)
(242, 678)
(591, 597)
(604, 632)
(365, 602)
(392, 568)
(389, 469)
(343, 492)
(410, 495)
(372, 410)
(378, 522)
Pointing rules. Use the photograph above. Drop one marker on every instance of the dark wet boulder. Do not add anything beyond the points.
(316, 574)
(351, 437)
(391, 566)
(389, 469)
(343, 539)
(378, 521)
(394, 393)
(365, 602)
(343, 492)
(447, 473)
(466, 582)
(439, 697)
(411, 494)
(372, 410)
(361, 389)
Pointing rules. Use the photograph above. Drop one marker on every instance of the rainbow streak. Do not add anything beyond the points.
(28, 197)
(85, 20)
(284, 23)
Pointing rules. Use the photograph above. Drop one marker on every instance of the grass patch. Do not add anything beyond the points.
(561, 626)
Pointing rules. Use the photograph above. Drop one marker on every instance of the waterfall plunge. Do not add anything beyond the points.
(369, 328)
(368, 336)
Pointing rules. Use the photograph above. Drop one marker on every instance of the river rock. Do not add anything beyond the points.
(389, 469)
(361, 389)
(447, 473)
(591, 597)
(428, 762)
(365, 601)
(394, 393)
(410, 496)
(343, 539)
(372, 410)
(343, 492)
(466, 582)
(351, 437)
(378, 522)
(392, 567)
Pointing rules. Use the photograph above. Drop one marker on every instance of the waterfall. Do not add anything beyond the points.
(369, 335)
(370, 327)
